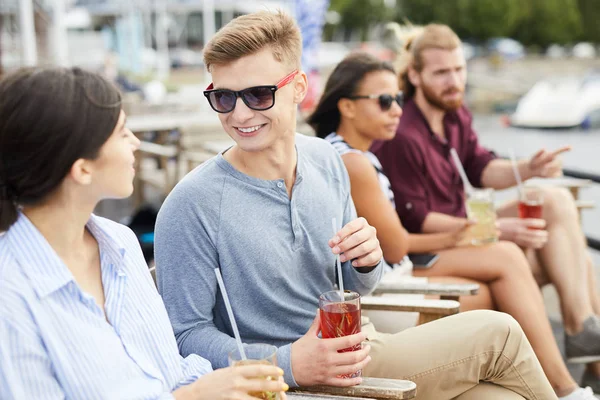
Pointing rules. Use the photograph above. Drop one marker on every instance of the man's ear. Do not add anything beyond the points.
(300, 87)
(414, 77)
(81, 172)
(347, 108)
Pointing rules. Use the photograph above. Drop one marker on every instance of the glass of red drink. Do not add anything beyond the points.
(340, 317)
(531, 203)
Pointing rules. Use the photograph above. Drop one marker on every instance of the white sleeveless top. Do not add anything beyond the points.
(342, 148)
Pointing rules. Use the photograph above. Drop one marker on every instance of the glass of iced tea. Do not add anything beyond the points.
(340, 317)
(531, 203)
(257, 353)
(480, 207)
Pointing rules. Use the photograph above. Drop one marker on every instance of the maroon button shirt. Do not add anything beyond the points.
(420, 168)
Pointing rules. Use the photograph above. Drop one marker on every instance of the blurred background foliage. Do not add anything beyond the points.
(531, 22)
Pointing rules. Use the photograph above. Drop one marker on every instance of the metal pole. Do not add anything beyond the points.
(1, 27)
(27, 28)
(162, 40)
(208, 20)
(59, 34)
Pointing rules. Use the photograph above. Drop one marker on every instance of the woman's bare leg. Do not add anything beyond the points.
(505, 269)
(563, 258)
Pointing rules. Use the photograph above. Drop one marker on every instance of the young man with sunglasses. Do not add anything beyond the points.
(261, 212)
(430, 198)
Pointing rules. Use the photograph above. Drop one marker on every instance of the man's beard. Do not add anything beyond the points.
(439, 102)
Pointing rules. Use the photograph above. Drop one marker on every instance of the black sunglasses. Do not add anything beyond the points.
(385, 100)
(259, 98)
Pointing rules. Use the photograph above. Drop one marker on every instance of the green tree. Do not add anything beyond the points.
(590, 15)
(359, 15)
(485, 19)
(549, 21)
(479, 19)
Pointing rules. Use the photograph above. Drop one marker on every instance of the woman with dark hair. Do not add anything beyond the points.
(80, 317)
(361, 104)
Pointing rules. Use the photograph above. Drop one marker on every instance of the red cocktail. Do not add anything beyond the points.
(340, 317)
(531, 204)
(530, 209)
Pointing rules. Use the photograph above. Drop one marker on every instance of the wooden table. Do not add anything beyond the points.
(168, 122)
(164, 147)
(370, 388)
(311, 396)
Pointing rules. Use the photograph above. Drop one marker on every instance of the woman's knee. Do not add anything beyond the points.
(558, 203)
(509, 258)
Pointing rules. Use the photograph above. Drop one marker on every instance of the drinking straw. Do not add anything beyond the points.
(236, 333)
(513, 161)
(337, 261)
(461, 172)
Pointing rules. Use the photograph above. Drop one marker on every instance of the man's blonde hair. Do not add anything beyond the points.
(251, 33)
(417, 40)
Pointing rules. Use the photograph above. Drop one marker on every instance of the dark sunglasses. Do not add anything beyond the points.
(385, 100)
(259, 98)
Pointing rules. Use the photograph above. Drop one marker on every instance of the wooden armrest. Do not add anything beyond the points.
(440, 289)
(312, 396)
(158, 149)
(371, 388)
(585, 204)
(435, 307)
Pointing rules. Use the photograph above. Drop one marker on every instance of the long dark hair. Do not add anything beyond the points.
(343, 82)
(49, 118)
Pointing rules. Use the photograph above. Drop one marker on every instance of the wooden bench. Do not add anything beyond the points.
(429, 310)
(371, 388)
(444, 290)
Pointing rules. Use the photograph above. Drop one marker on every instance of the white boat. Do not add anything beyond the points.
(560, 103)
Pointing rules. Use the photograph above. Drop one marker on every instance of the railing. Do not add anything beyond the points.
(593, 243)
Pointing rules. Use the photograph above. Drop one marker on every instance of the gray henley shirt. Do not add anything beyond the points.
(272, 251)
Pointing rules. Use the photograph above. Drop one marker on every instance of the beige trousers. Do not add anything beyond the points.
(450, 359)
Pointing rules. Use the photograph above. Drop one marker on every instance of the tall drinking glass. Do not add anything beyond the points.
(340, 317)
(257, 353)
(531, 203)
(480, 207)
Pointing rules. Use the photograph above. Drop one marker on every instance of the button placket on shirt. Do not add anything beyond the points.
(294, 214)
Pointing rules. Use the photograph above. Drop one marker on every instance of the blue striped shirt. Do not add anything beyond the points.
(55, 341)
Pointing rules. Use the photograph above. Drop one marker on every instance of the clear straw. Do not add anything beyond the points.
(236, 333)
(513, 161)
(337, 261)
(461, 171)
